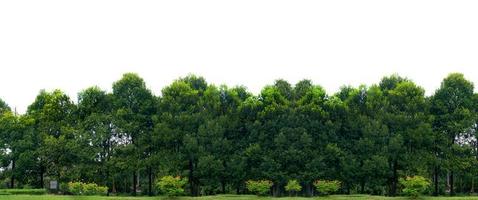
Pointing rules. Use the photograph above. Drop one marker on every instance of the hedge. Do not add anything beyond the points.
(22, 191)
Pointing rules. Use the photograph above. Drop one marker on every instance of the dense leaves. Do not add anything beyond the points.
(171, 186)
(413, 186)
(293, 187)
(260, 187)
(366, 138)
(79, 188)
(326, 187)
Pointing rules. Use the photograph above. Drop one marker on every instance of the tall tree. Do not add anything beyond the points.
(54, 119)
(133, 110)
(451, 106)
(408, 124)
(98, 138)
(182, 112)
(17, 147)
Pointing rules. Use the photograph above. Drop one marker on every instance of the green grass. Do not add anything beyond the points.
(221, 197)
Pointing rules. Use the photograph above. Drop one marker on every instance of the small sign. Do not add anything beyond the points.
(53, 185)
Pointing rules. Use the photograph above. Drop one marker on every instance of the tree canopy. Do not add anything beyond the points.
(217, 138)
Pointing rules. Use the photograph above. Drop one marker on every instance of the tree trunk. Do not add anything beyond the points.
(275, 190)
(452, 188)
(223, 186)
(451, 177)
(462, 184)
(106, 182)
(362, 187)
(347, 189)
(150, 181)
(447, 183)
(134, 184)
(58, 180)
(192, 185)
(435, 180)
(223, 178)
(113, 186)
(472, 190)
(41, 177)
(309, 191)
(12, 180)
(107, 152)
(393, 186)
(126, 187)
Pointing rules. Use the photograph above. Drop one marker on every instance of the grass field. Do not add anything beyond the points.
(220, 197)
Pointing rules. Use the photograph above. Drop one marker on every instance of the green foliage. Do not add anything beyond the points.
(22, 191)
(326, 187)
(171, 186)
(414, 186)
(293, 186)
(219, 137)
(260, 187)
(3, 107)
(88, 189)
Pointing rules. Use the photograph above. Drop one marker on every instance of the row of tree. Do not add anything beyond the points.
(219, 137)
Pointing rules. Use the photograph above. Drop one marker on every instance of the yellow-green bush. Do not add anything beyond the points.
(326, 187)
(413, 186)
(171, 186)
(293, 186)
(260, 187)
(80, 188)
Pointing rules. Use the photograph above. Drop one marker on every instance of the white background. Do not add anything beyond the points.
(72, 45)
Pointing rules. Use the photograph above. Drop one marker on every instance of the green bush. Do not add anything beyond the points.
(80, 188)
(171, 186)
(261, 187)
(326, 187)
(23, 191)
(413, 186)
(26, 186)
(74, 188)
(64, 188)
(293, 186)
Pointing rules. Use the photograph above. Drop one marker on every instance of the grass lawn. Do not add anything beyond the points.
(219, 197)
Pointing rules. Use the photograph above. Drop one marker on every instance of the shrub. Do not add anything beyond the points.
(413, 186)
(260, 187)
(93, 189)
(26, 186)
(23, 191)
(326, 187)
(75, 188)
(64, 188)
(79, 188)
(102, 190)
(171, 186)
(293, 186)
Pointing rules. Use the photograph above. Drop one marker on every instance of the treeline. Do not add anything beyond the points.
(218, 137)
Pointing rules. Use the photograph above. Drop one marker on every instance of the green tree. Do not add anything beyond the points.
(98, 135)
(3, 107)
(183, 109)
(452, 107)
(409, 128)
(54, 118)
(134, 106)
